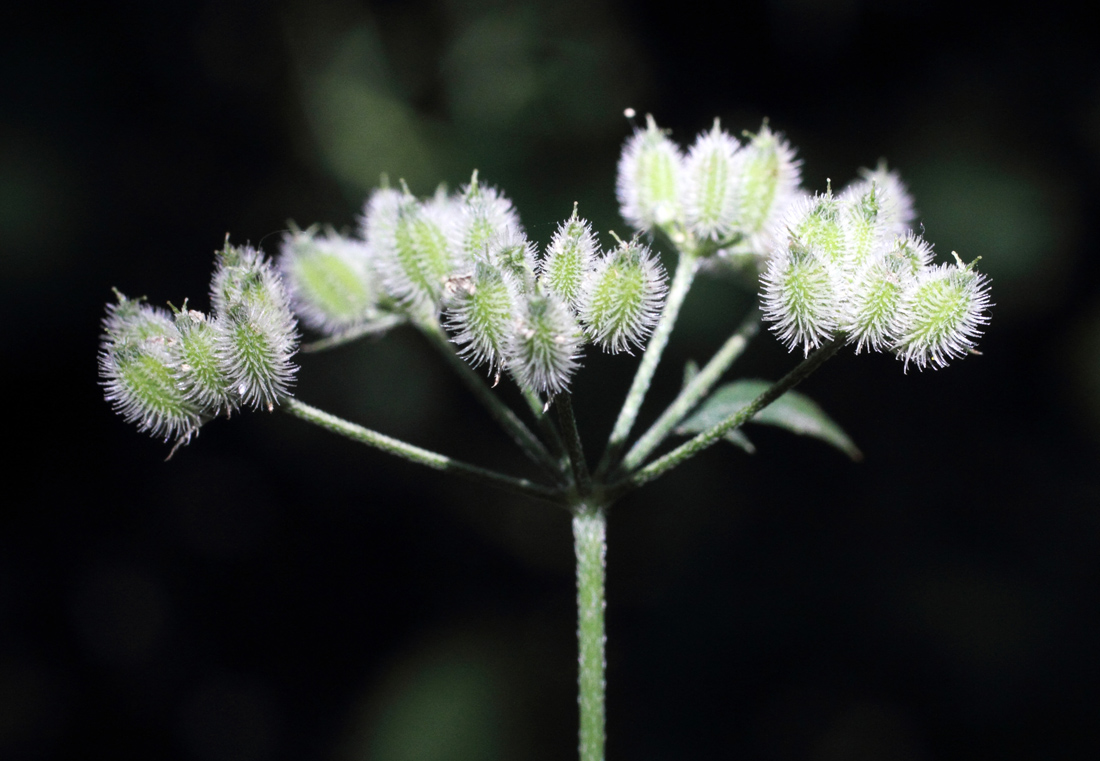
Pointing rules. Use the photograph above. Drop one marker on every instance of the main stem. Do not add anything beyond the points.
(590, 541)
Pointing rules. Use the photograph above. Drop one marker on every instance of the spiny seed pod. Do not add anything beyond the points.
(570, 258)
(195, 362)
(514, 255)
(623, 297)
(254, 349)
(767, 186)
(814, 223)
(257, 333)
(482, 312)
(133, 321)
(243, 275)
(896, 212)
(874, 211)
(862, 225)
(874, 306)
(942, 315)
(331, 284)
(799, 297)
(135, 371)
(650, 178)
(409, 242)
(482, 215)
(711, 184)
(545, 346)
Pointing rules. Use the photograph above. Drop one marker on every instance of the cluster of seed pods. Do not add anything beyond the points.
(831, 266)
(170, 372)
(844, 265)
(463, 262)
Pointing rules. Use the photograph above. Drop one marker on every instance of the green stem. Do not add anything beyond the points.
(590, 542)
(693, 392)
(499, 411)
(564, 403)
(549, 432)
(681, 284)
(381, 325)
(418, 455)
(691, 448)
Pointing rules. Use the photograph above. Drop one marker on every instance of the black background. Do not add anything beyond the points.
(274, 592)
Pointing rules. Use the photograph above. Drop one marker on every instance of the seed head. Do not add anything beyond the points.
(712, 174)
(482, 312)
(799, 296)
(874, 303)
(195, 362)
(769, 178)
(545, 345)
(135, 369)
(514, 255)
(570, 259)
(895, 204)
(623, 297)
(256, 331)
(942, 315)
(411, 248)
(331, 283)
(483, 215)
(650, 179)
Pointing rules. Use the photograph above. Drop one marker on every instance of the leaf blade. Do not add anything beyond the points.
(793, 412)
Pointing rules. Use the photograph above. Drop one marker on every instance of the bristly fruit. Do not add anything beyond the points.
(769, 178)
(569, 260)
(482, 312)
(712, 184)
(258, 333)
(196, 363)
(330, 280)
(942, 315)
(136, 371)
(799, 296)
(650, 179)
(546, 345)
(623, 297)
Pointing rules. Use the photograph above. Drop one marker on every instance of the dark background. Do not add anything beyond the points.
(274, 592)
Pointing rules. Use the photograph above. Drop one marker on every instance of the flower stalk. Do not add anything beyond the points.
(590, 544)
(579, 466)
(703, 440)
(527, 441)
(419, 455)
(692, 393)
(686, 267)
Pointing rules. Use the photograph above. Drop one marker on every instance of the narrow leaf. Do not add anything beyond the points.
(793, 411)
(740, 440)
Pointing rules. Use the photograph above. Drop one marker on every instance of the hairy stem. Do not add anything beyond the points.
(573, 443)
(590, 542)
(681, 284)
(380, 325)
(691, 448)
(500, 412)
(418, 455)
(693, 392)
(546, 425)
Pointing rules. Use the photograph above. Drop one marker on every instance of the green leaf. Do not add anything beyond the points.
(740, 440)
(793, 411)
